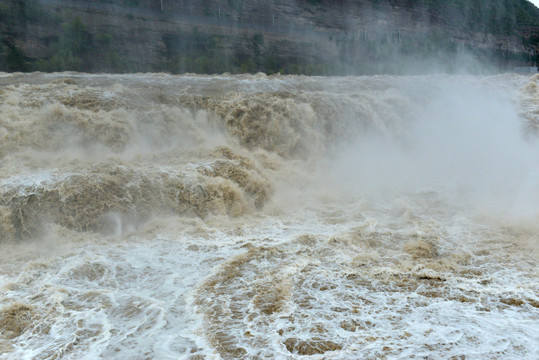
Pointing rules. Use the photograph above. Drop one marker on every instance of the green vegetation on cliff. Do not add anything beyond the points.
(313, 37)
(76, 50)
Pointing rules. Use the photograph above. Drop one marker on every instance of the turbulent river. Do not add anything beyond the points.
(150, 216)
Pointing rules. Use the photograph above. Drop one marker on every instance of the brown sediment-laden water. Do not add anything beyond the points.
(151, 216)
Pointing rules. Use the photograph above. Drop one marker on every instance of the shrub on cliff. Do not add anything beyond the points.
(15, 59)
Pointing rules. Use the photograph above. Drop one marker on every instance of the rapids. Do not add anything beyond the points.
(151, 216)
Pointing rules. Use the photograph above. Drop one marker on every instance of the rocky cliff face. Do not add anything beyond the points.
(305, 36)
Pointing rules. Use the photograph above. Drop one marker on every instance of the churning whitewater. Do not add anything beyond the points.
(151, 216)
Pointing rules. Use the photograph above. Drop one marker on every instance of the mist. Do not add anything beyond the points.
(467, 142)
